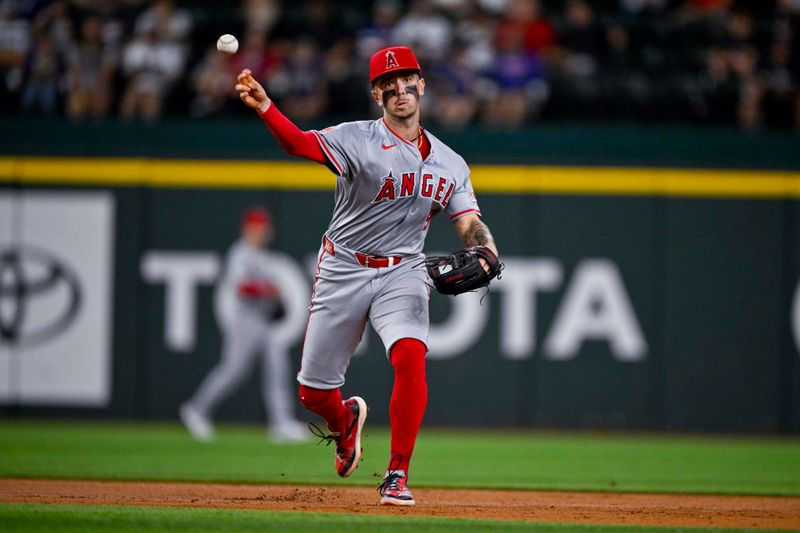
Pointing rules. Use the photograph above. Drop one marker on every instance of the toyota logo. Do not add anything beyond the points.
(39, 296)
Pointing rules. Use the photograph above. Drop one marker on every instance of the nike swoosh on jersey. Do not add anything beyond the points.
(387, 146)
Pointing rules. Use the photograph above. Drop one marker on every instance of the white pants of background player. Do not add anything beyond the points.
(246, 340)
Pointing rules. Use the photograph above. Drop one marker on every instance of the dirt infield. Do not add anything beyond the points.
(529, 506)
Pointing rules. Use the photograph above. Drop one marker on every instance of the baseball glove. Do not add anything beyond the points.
(275, 310)
(462, 271)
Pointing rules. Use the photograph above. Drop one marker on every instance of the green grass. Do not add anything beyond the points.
(443, 458)
(90, 519)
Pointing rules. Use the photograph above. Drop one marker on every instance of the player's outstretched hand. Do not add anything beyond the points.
(251, 92)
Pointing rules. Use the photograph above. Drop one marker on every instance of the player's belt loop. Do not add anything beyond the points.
(328, 245)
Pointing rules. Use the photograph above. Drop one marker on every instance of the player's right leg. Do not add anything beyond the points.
(337, 317)
(345, 420)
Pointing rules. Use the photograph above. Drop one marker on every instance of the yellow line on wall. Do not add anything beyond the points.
(166, 173)
(637, 181)
(113, 172)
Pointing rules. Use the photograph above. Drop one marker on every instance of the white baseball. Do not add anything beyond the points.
(227, 44)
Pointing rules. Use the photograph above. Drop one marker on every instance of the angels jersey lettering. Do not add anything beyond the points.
(385, 193)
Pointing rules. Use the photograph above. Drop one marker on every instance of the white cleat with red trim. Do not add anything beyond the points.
(394, 489)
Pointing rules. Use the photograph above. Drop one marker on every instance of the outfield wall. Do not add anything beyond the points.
(635, 298)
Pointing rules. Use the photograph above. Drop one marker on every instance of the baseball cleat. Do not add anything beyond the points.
(394, 490)
(348, 444)
(198, 425)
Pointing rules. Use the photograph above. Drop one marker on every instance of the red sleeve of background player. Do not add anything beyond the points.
(258, 289)
(294, 140)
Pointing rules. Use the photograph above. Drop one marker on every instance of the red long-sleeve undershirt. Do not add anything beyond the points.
(305, 143)
(294, 140)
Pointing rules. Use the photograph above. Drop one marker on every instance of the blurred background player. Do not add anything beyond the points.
(246, 303)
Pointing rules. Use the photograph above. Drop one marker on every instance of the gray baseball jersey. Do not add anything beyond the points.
(386, 196)
(385, 193)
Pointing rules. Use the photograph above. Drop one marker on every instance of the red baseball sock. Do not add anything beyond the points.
(409, 398)
(327, 404)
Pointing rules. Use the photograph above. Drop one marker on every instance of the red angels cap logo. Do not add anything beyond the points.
(391, 61)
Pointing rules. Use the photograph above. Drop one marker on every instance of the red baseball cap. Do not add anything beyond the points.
(394, 58)
(257, 216)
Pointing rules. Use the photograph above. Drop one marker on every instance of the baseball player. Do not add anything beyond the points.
(246, 303)
(392, 178)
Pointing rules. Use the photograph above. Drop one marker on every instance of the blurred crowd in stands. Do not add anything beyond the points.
(494, 63)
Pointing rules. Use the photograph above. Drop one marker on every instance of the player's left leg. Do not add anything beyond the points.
(406, 409)
(399, 314)
(409, 398)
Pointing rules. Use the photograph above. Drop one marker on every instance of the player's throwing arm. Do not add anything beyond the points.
(251, 92)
